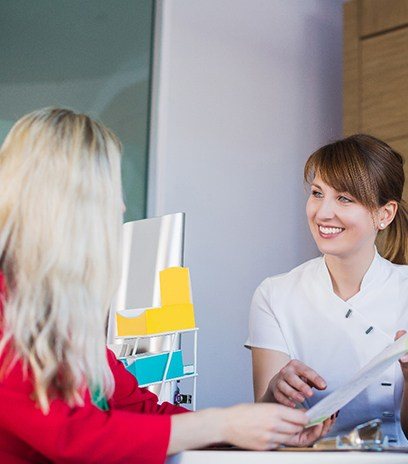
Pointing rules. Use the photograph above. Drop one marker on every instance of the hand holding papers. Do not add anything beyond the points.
(363, 378)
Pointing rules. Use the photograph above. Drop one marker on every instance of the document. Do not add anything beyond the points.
(363, 378)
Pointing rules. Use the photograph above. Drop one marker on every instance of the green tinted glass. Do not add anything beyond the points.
(92, 56)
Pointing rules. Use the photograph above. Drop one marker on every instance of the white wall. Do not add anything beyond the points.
(245, 90)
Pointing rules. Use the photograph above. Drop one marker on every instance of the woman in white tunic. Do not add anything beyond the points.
(312, 328)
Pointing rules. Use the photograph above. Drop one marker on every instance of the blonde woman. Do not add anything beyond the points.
(64, 397)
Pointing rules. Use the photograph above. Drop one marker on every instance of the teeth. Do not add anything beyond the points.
(330, 230)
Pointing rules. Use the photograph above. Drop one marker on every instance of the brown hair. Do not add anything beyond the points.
(373, 173)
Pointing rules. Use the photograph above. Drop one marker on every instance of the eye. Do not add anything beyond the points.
(344, 199)
(317, 194)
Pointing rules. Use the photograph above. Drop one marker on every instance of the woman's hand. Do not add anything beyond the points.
(262, 426)
(404, 360)
(308, 436)
(292, 384)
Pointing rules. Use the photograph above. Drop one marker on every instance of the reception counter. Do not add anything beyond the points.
(288, 457)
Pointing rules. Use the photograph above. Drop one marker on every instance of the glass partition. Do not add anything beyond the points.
(92, 56)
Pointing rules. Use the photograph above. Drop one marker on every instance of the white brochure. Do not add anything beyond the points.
(363, 378)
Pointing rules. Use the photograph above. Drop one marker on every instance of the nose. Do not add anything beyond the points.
(326, 210)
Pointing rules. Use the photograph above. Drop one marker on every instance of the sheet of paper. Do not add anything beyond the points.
(363, 378)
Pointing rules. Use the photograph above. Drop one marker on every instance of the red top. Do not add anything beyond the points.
(135, 429)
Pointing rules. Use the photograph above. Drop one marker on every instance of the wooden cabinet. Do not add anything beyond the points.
(376, 71)
(384, 85)
(382, 15)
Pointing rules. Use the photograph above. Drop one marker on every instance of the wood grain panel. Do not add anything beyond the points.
(381, 15)
(351, 70)
(384, 89)
(401, 146)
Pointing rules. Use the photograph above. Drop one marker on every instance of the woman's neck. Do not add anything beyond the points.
(347, 273)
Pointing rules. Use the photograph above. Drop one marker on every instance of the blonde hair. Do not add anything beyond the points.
(60, 242)
(373, 173)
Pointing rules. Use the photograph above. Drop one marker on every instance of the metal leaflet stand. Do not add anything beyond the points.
(133, 342)
(149, 246)
(176, 336)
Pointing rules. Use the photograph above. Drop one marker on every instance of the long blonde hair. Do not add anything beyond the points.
(60, 241)
(373, 173)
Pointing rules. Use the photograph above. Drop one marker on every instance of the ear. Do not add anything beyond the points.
(386, 214)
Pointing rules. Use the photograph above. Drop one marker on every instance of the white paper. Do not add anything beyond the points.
(363, 378)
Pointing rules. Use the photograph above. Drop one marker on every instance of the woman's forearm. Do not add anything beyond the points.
(196, 430)
(249, 426)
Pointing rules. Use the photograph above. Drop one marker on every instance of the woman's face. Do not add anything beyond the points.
(339, 224)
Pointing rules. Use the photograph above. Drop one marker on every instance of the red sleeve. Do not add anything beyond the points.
(136, 429)
(85, 434)
(128, 396)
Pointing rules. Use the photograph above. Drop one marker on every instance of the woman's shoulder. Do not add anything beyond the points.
(400, 270)
(396, 278)
(293, 276)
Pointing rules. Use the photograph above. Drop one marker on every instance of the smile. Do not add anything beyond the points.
(330, 230)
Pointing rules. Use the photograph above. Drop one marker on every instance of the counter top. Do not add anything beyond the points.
(288, 457)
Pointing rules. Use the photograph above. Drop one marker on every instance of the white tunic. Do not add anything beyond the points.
(298, 313)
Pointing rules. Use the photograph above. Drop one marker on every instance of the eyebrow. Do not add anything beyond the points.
(341, 193)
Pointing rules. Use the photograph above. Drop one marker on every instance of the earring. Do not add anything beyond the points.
(382, 225)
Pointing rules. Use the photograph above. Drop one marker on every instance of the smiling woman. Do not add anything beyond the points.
(366, 177)
(311, 329)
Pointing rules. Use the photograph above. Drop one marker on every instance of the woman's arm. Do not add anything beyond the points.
(137, 427)
(278, 379)
(248, 426)
(265, 365)
(71, 435)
